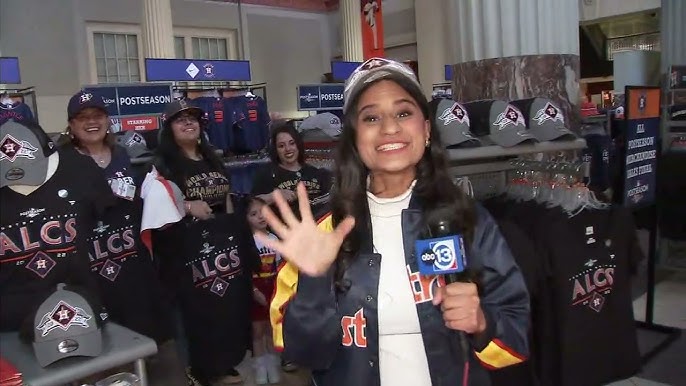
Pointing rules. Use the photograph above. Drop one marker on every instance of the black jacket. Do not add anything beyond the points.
(306, 313)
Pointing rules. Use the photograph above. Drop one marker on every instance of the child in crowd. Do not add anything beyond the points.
(265, 359)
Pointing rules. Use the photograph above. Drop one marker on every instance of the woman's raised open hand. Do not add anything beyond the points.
(311, 249)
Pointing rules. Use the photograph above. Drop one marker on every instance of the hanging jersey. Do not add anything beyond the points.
(251, 124)
(591, 272)
(219, 120)
(43, 235)
(597, 155)
(17, 111)
(130, 286)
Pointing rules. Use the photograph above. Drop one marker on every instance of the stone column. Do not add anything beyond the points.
(351, 30)
(514, 49)
(158, 33)
(433, 51)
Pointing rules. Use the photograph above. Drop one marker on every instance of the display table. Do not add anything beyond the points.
(120, 346)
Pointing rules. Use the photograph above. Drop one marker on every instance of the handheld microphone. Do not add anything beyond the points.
(444, 254)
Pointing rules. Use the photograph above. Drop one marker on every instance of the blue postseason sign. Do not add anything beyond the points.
(133, 99)
(9, 71)
(188, 70)
(315, 97)
(642, 114)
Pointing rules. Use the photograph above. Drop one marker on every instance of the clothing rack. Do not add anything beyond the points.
(242, 161)
(199, 86)
(487, 169)
(226, 91)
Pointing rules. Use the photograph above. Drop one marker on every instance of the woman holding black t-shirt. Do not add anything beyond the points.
(208, 257)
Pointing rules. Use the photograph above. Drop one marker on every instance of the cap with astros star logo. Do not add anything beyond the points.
(372, 70)
(25, 149)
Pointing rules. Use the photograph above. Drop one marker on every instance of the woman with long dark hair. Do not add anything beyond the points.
(208, 257)
(185, 157)
(362, 292)
(288, 167)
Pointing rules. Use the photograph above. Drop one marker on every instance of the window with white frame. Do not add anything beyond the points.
(207, 44)
(116, 57)
(209, 48)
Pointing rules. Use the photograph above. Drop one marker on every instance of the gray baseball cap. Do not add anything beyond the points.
(327, 122)
(545, 120)
(452, 121)
(496, 122)
(134, 143)
(24, 153)
(372, 70)
(68, 323)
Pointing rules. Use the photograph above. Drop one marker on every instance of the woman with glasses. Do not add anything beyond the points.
(359, 301)
(208, 257)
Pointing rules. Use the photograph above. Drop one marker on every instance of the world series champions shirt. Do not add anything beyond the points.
(202, 182)
(43, 235)
(317, 183)
(129, 283)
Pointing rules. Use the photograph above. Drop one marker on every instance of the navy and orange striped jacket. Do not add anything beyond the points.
(315, 325)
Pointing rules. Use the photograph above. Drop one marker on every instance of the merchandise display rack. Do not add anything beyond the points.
(26, 95)
(489, 165)
(486, 152)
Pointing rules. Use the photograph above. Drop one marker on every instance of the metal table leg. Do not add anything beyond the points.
(139, 367)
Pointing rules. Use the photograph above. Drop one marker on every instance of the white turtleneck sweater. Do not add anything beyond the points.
(402, 359)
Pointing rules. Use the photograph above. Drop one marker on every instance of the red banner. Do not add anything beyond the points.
(372, 29)
(140, 123)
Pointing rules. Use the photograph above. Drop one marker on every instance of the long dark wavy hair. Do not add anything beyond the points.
(168, 155)
(435, 191)
(288, 127)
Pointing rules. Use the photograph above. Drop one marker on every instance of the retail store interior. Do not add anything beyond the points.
(545, 108)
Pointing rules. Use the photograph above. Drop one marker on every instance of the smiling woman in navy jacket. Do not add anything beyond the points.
(350, 304)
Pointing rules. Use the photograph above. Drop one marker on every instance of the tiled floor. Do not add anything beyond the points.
(299, 378)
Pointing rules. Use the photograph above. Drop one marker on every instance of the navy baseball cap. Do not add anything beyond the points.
(83, 100)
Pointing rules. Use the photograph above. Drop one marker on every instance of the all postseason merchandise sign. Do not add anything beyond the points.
(642, 115)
